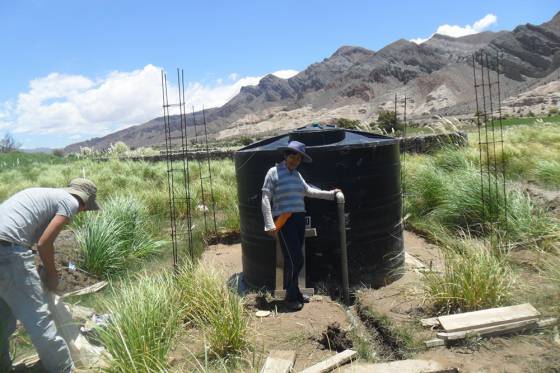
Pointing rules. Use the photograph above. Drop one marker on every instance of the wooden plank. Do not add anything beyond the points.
(429, 323)
(88, 290)
(434, 342)
(80, 312)
(279, 361)
(547, 322)
(486, 318)
(310, 232)
(401, 366)
(332, 362)
(281, 294)
(491, 330)
(409, 259)
(279, 285)
(27, 362)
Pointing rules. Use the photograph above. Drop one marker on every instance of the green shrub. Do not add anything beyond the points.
(100, 253)
(214, 308)
(548, 172)
(348, 123)
(112, 239)
(388, 121)
(471, 280)
(145, 317)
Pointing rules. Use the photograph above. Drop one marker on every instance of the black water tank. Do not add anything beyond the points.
(366, 167)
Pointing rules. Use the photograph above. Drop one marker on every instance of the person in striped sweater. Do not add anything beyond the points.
(283, 195)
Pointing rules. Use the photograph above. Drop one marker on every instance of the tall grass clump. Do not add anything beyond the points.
(100, 252)
(475, 278)
(548, 172)
(214, 308)
(425, 188)
(113, 238)
(463, 208)
(137, 233)
(145, 318)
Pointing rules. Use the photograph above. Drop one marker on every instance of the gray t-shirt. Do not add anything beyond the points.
(25, 216)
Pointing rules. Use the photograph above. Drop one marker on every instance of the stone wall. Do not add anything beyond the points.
(414, 144)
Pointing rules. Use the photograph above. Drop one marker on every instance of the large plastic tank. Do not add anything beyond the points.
(366, 167)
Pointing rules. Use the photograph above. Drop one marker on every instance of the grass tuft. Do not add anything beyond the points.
(145, 317)
(213, 307)
(473, 278)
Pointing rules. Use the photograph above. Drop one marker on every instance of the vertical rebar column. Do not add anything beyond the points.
(486, 139)
(503, 165)
(209, 172)
(169, 162)
(478, 125)
(200, 177)
(495, 170)
(185, 158)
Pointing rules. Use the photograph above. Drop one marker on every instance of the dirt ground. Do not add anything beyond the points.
(547, 198)
(403, 305)
(65, 253)
(282, 330)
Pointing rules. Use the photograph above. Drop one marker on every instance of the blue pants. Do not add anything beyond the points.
(291, 237)
(22, 297)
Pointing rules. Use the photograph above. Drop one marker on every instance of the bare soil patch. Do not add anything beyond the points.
(547, 198)
(301, 331)
(65, 253)
(397, 308)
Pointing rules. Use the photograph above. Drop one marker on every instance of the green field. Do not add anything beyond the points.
(442, 200)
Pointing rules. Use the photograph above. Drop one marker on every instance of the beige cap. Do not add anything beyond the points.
(86, 190)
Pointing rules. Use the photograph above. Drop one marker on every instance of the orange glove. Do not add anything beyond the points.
(279, 223)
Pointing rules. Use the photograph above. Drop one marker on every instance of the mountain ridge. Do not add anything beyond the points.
(356, 82)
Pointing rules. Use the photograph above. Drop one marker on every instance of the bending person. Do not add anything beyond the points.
(285, 188)
(36, 216)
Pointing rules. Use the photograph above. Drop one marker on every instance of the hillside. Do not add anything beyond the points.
(356, 83)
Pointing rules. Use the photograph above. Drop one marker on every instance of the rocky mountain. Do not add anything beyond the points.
(356, 83)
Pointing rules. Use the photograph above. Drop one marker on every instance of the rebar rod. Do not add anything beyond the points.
(209, 172)
(503, 165)
(486, 135)
(185, 157)
(479, 135)
(200, 177)
(496, 206)
(169, 166)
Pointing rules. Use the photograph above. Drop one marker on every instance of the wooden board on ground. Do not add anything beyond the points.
(81, 312)
(409, 259)
(434, 342)
(487, 318)
(408, 366)
(279, 361)
(281, 294)
(26, 362)
(431, 322)
(492, 330)
(332, 362)
(90, 289)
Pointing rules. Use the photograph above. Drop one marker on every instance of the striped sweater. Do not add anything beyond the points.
(286, 190)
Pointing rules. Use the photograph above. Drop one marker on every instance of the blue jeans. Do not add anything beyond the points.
(23, 298)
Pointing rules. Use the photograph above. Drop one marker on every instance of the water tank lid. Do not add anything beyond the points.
(322, 136)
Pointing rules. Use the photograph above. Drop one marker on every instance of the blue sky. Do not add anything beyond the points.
(72, 70)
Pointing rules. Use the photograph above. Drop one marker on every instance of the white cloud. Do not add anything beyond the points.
(80, 107)
(419, 40)
(285, 74)
(458, 31)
